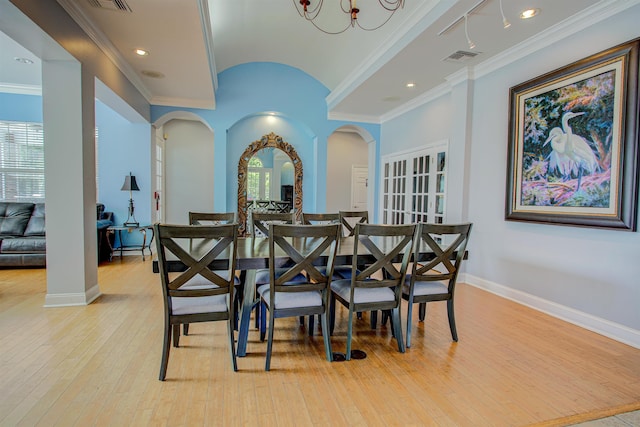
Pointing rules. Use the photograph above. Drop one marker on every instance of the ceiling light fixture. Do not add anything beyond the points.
(505, 23)
(529, 13)
(349, 9)
(466, 33)
(141, 52)
(24, 60)
(411, 85)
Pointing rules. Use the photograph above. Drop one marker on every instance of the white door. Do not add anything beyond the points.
(414, 186)
(158, 193)
(359, 184)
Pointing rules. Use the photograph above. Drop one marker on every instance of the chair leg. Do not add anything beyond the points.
(374, 318)
(324, 322)
(332, 314)
(311, 324)
(349, 333)
(263, 320)
(397, 327)
(166, 348)
(422, 311)
(409, 314)
(185, 329)
(232, 344)
(267, 365)
(452, 320)
(176, 335)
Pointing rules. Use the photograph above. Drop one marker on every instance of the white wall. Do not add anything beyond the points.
(344, 149)
(189, 172)
(588, 276)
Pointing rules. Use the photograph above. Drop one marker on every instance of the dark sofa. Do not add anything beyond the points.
(22, 234)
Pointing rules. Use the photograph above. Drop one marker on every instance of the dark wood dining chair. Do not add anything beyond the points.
(197, 294)
(260, 223)
(349, 219)
(377, 286)
(283, 295)
(309, 218)
(211, 218)
(435, 280)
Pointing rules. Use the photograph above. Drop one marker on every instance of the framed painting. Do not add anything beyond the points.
(573, 143)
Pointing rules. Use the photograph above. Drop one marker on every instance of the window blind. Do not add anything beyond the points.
(21, 162)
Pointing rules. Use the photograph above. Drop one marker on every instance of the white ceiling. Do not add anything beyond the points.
(365, 72)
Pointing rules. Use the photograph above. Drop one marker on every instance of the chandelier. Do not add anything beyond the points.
(349, 10)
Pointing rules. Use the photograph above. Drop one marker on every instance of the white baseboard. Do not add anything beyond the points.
(72, 299)
(595, 324)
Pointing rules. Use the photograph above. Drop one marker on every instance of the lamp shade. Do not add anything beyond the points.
(130, 183)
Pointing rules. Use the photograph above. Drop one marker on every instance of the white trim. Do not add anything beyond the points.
(20, 89)
(578, 22)
(103, 42)
(418, 101)
(587, 321)
(72, 299)
(415, 23)
(346, 117)
(204, 104)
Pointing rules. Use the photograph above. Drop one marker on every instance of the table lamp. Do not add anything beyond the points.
(130, 185)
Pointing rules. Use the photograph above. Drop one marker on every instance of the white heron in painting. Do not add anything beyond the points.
(570, 153)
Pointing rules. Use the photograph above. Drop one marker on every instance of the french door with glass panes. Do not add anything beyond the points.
(414, 186)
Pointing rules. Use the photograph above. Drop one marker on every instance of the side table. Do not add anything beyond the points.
(131, 247)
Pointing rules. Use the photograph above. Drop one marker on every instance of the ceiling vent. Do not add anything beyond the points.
(461, 56)
(119, 5)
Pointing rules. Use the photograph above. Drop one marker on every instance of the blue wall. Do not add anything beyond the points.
(258, 98)
(20, 108)
(122, 147)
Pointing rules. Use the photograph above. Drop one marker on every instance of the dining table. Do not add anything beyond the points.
(253, 254)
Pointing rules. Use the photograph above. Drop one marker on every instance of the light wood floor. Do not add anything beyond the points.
(98, 365)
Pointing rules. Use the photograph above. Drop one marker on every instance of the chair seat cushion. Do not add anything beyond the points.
(262, 276)
(291, 299)
(195, 305)
(426, 288)
(361, 295)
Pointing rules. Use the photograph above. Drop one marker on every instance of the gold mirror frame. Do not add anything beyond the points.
(275, 141)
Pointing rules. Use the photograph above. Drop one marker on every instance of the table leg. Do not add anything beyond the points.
(144, 240)
(245, 311)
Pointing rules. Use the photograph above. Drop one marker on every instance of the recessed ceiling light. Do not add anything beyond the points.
(529, 13)
(411, 85)
(152, 74)
(24, 60)
(141, 52)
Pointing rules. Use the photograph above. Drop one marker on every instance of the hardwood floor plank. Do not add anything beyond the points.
(98, 365)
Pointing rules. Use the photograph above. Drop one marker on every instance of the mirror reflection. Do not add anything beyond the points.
(269, 179)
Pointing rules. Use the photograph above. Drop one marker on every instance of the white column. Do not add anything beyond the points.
(459, 156)
(69, 132)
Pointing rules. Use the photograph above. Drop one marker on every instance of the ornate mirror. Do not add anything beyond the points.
(267, 141)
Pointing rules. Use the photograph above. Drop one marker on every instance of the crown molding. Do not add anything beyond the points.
(207, 34)
(102, 41)
(578, 22)
(361, 118)
(21, 89)
(588, 17)
(412, 27)
(418, 101)
(203, 104)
